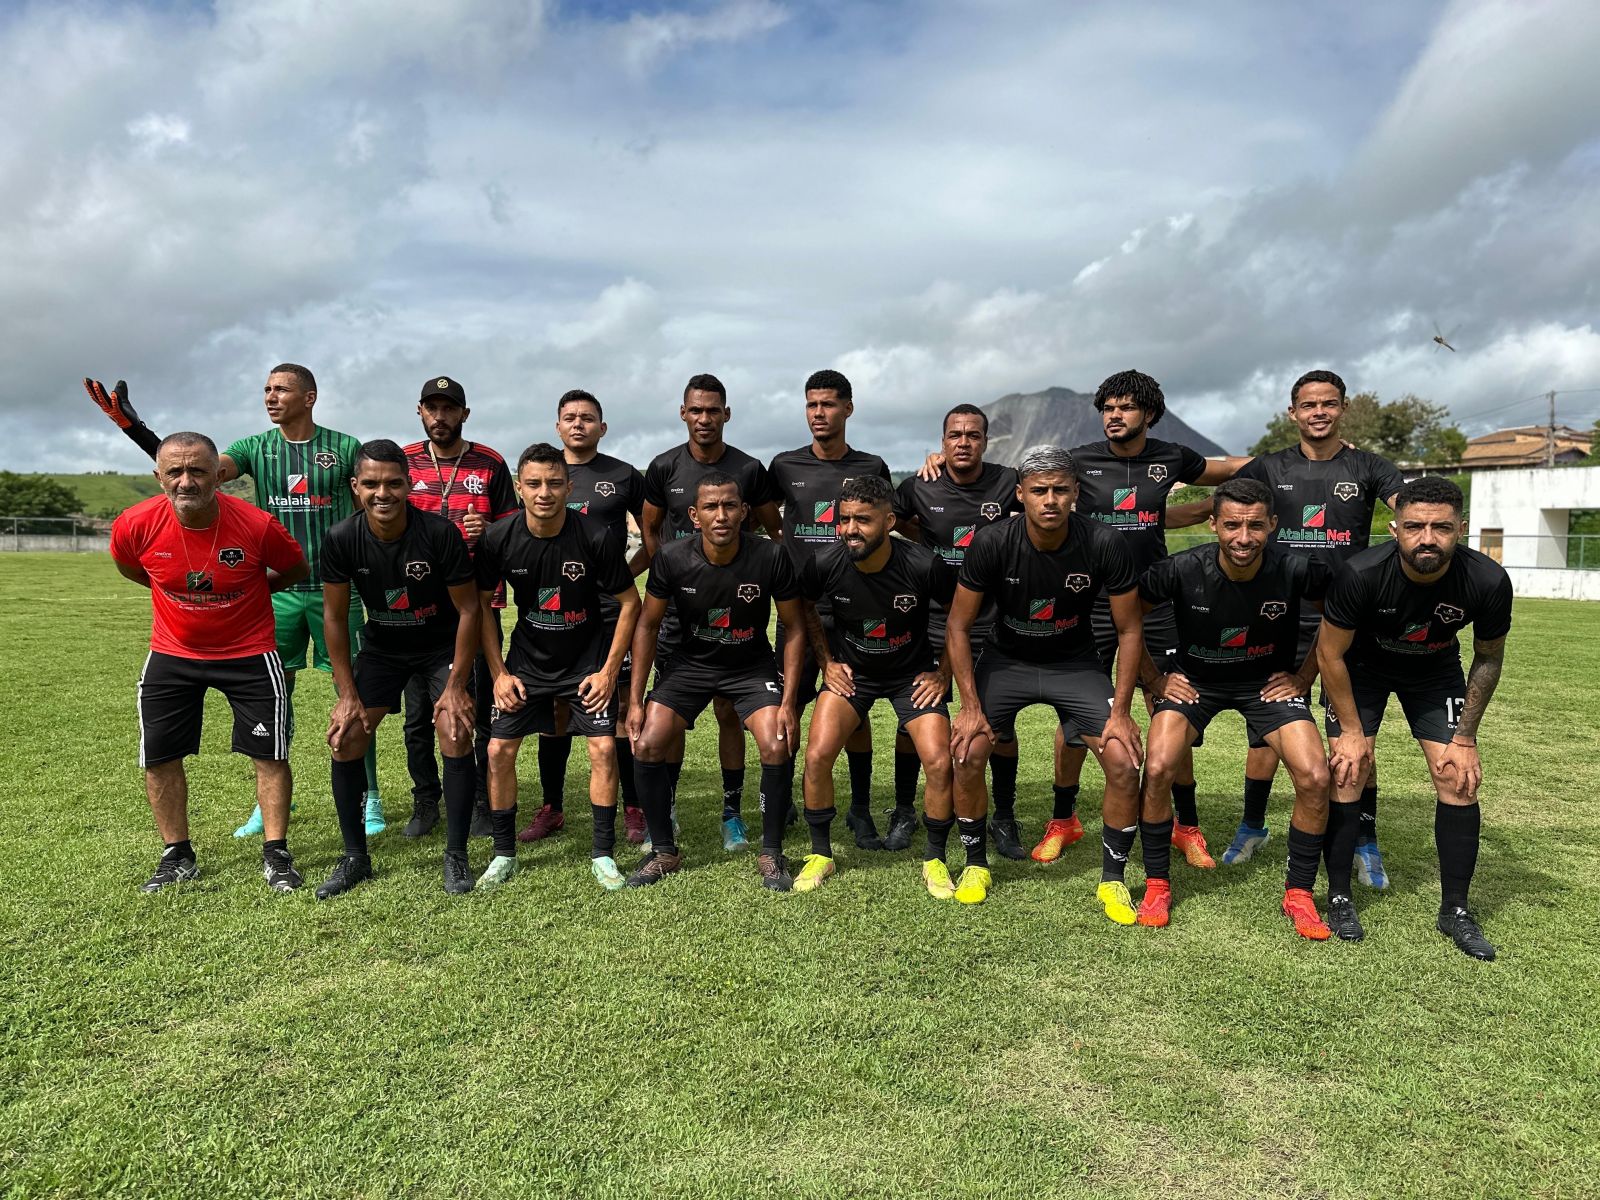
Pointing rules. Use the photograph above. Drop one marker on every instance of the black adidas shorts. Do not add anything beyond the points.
(1160, 634)
(1081, 696)
(1261, 717)
(381, 678)
(897, 691)
(172, 694)
(1432, 706)
(687, 687)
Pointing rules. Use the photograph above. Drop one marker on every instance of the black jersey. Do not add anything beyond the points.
(1044, 596)
(606, 490)
(724, 611)
(808, 486)
(1324, 506)
(950, 515)
(404, 584)
(669, 484)
(1130, 494)
(558, 583)
(1235, 631)
(881, 619)
(1409, 629)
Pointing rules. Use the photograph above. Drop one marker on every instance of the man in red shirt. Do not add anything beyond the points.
(211, 563)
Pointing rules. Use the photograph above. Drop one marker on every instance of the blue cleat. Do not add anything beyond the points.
(734, 836)
(252, 827)
(1369, 866)
(374, 815)
(1246, 841)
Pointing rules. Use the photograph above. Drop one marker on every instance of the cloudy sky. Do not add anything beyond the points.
(948, 201)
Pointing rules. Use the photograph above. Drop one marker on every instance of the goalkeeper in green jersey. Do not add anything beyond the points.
(302, 476)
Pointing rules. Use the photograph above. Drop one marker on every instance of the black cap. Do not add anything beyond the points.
(443, 387)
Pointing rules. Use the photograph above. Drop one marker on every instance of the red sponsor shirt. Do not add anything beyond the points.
(208, 587)
(477, 480)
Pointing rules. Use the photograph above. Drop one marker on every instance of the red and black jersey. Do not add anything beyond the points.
(476, 480)
(209, 596)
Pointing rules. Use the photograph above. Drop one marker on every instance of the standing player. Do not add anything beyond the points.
(808, 482)
(413, 572)
(1042, 574)
(210, 562)
(563, 650)
(722, 584)
(879, 591)
(669, 494)
(1124, 482)
(610, 491)
(1323, 495)
(1236, 608)
(302, 475)
(945, 512)
(466, 483)
(1409, 599)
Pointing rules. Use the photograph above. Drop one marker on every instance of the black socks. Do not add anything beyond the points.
(820, 819)
(553, 754)
(1369, 815)
(1004, 771)
(860, 781)
(1256, 794)
(1115, 847)
(1183, 804)
(938, 837)
(1456, 829)
(605, 831)
(655, 783)
(350, 802)
(1155, 840)
(1066, 802)
(1339, 846)
(1305, 852)
(503, 821)
(907, 765)
(460, 793)
(777, 792)
(974, 839)
(732, 791)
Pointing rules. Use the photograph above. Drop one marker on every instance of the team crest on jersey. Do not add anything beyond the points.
(1449, 613)
(230, 556)
(1345, 490)
(573, 571)
(749, 593)
(1158, 472)
(1077, 581)
(904, 602)
(1273, 609)
(989, 510)
(326, 459)
(197, 581)
(418, 570)
(605, 488)
(473, 484)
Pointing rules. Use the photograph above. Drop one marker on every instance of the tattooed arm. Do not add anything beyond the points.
(1461, 755)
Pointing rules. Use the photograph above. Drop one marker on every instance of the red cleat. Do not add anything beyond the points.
(1155, 910)
(545, 822)
(1058, 835)
(1192, 842)
(1301, 908)
(633, 826)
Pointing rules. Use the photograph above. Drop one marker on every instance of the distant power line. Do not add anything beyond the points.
(1502, 407)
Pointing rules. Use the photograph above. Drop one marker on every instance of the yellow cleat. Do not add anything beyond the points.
(817, 868)
(1114, 898)
(973, 887)
(937, 876)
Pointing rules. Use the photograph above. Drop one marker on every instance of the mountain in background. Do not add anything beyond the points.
(1061, 417)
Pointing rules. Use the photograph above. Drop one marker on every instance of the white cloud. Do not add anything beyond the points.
(646, 39)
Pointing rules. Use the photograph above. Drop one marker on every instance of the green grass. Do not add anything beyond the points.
(705, 1038)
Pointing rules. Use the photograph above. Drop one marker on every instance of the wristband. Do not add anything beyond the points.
(1455, 740)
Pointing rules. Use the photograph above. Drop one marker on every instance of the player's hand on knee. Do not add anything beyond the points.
(594, 693)
(1120, 728)
(509, 692)
(927, 689)
(840, 679)
(113, 403)
(788, 727)
(1349, 759)
(970, 725)
(1462, 768)
(455, 713)
(348, 715)
(633, 727)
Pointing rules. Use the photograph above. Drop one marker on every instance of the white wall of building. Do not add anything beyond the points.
(1531, 509)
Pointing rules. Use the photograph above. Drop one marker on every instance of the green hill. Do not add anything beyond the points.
(107, 493)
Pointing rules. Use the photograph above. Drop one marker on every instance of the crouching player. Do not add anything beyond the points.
(879, 590)
(1236, 605)
(558, 564)
(415, 579)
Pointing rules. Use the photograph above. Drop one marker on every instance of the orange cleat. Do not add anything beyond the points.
(1192, 842)
(1301, 908)
(1155, 910)
(1058, 835)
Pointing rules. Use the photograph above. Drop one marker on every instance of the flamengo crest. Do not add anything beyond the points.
(749, 592)
(1158, 471)
(1273, 609)
(573, 570)
(1346, 490)
(1449, 614)
(904, 602)
(1077, 581)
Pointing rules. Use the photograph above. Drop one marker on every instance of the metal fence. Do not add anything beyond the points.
(61, 534)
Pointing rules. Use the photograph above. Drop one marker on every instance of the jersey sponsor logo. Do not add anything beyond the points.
(1345, 490)
(875, 627)
(579, 506)
(749, 593)
(1042, 610)
(298, 485)
(475, 483)
(550, 615)
(418, 570)
(1235, 637)
(1449, 614)
(550, 599)
(398, 599)
(1157, 472)
(1312, 516)
(1077, 581)
(1124, 499)
(822, 512)
(989, 510)
(1042, 620)
(1273, 609)
(1415, 632)
(231, 556)
(963, 536)
(719, 628)
(720, 618)
(605, 488)
(820, 527)
(326, 459)
(904, 602)
(573, 570)
(197, 581)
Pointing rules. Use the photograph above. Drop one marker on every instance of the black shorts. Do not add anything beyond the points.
(1261, 717)
(381, 678)
(1160, 634)
(1432, 706)
(897, 691)
(172, 695)
(810, 672)
(538, 713)
(687, 687)
(1081, 696)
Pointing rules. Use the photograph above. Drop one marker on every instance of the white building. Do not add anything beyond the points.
(1520, 518)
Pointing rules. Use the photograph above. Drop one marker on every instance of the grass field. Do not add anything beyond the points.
(705, 1038)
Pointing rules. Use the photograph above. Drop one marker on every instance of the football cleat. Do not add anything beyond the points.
(606, 874)
(1155, 910)
(350, 870)
(1342, 919)
(501, 868)
(655, 868)
(172, 869)
(545, 822)
(1192, 842)
(1246, 841)
(936, 876)
(902, 824)
(973, 886)
(1058, 835)
(774, 872)
(1301, 908)
(1114, 899)
(1007, 838)
(734, 834)
(816, 868)
(1457, 925)
(1369, 866)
